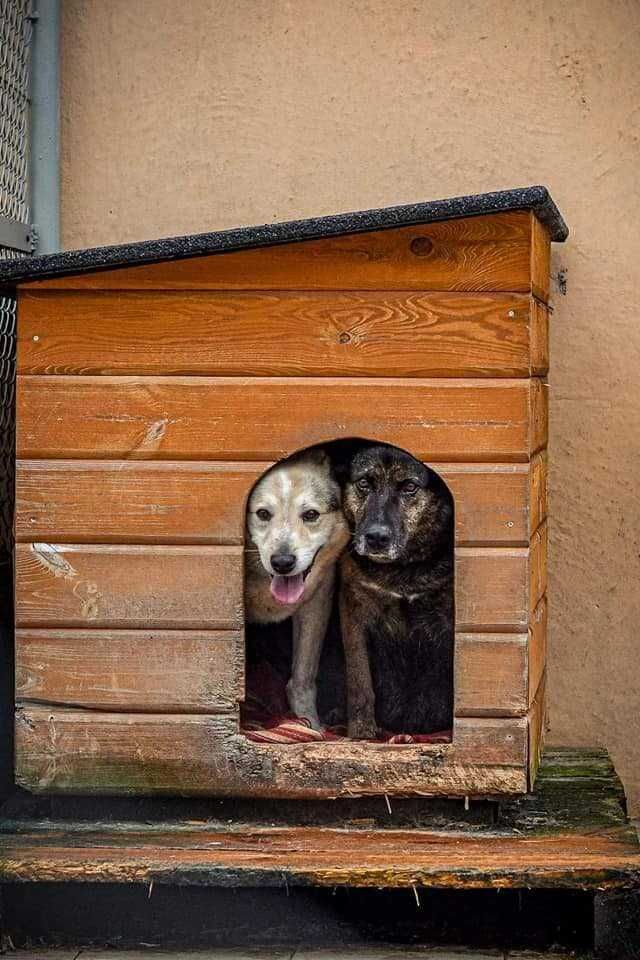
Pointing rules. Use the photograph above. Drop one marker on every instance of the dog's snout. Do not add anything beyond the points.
(378, 537)
(283, 562)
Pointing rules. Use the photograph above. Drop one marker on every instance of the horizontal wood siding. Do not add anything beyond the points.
(149, 401)
(491, 675)
(194, 418)
(161, 671)
(498, 252)
(94, 501)
(279, 333)
(203, 671)
(119, 753)
(200, 588)
(197, 588)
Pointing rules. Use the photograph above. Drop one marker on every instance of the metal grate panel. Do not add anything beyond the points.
(15, 44)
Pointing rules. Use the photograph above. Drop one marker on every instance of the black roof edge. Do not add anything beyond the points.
(69, 262)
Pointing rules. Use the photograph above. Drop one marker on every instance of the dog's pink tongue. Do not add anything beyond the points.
(287, 589)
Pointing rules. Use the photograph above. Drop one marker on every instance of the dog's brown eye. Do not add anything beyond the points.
(409, 487)
(263, 514)
(362, 484)
(310, 515)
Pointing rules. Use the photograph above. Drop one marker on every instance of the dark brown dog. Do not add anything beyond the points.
(396, 600)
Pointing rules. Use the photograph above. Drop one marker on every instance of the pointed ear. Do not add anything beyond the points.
(318, 456)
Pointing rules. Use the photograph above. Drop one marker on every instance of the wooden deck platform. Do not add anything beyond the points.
(571, 833)
(301, 856)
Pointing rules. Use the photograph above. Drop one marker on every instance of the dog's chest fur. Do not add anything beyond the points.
(409, 616)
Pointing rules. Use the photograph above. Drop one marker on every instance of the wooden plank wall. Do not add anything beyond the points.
(149, 401)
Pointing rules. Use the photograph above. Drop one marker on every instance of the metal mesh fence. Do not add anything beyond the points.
(15, 44)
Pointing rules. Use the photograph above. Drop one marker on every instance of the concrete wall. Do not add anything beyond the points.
(203, 115)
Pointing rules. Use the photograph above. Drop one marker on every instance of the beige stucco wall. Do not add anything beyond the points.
(179, 117)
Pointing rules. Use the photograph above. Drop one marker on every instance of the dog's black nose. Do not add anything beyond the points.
(283, 562)
(378, 537)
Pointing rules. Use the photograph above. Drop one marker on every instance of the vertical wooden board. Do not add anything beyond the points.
(164, 671)
(537, 492)
(537, 648)
(232, 418)
(537, 729)
(538, 566)
(278, 333)
(540, 259)
(539, 338)
(490, 675)
(491, 252)
(539, 415)
(168, 587)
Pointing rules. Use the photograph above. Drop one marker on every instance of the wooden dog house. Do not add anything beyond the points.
(157, 381)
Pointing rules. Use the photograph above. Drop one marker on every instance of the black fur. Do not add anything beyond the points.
(401, 592)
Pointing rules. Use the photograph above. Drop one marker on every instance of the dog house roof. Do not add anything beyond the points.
(537, 199)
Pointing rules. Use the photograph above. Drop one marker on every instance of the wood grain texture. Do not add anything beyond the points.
(537, 495)
(404, 334)
(492, 589)
(540, 260)
(169, 587)
(194, 418)
(538, 566)
(93, 501)
(491, 675)
(539, 413)
(537, 647)
(97, 501)
(175, 587)
(537, 730)
(162, 671)
(594, 859)
(70, 750)
(539, 339)
(203, 672)
(492, 252)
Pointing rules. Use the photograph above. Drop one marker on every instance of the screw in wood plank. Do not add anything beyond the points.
(36, 337)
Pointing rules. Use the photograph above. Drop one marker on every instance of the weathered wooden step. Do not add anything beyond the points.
(242, 856)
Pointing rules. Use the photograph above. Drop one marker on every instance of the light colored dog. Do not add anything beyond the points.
(295, 534)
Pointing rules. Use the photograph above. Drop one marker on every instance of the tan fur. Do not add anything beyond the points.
(287, 491)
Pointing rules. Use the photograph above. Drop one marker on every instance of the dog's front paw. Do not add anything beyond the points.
(303, 704)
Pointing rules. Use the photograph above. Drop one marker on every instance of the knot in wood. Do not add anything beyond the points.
(421, 246)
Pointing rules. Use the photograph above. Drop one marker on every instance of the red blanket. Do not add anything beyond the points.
(266, 718)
